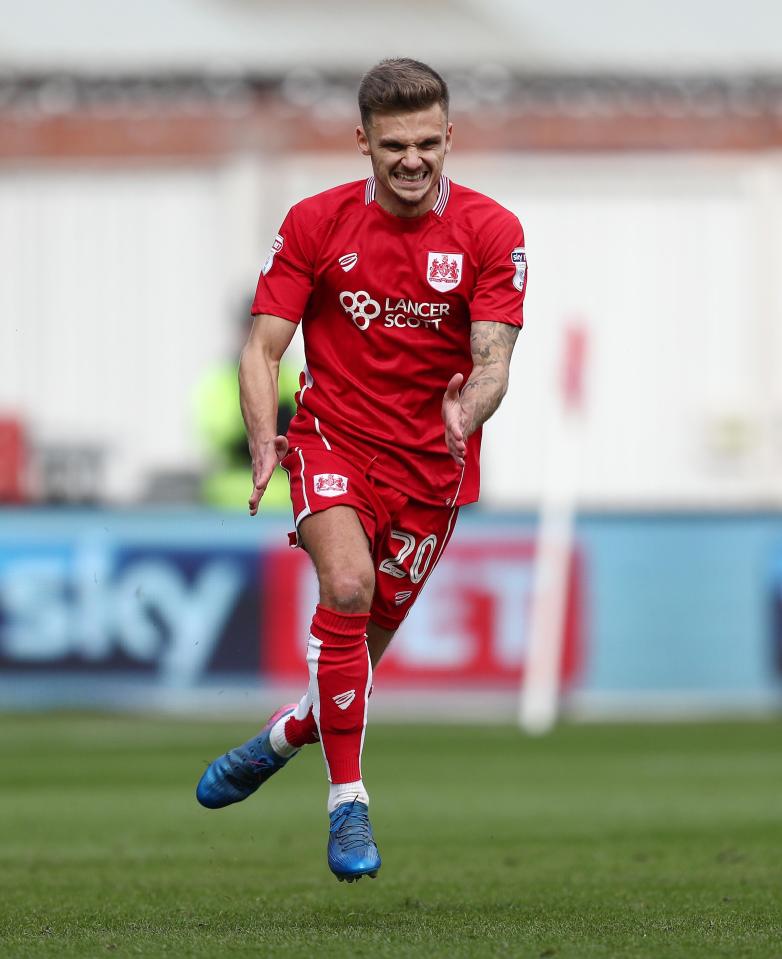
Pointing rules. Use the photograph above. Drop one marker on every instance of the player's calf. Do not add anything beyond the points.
(340, 679)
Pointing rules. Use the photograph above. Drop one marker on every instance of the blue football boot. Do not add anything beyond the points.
(352, 852)
(239, 772)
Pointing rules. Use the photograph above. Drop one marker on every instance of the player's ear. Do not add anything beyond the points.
(363, 141)
(448, 137)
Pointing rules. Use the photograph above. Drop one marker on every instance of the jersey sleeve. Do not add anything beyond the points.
(502, 281)
(286, 277)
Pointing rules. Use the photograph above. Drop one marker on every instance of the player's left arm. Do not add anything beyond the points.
(491, 345)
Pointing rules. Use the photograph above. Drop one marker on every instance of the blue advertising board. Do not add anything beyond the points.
(686, 605)
(87, 598)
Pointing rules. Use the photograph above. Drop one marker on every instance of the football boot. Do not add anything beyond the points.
(239, 772)
(352, 852)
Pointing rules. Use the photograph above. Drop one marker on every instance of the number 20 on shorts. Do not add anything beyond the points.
(421, 561)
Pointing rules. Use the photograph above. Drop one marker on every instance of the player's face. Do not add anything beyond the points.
(407, 152)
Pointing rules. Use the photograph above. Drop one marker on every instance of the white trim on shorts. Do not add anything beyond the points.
(433, 565)
(307, 510)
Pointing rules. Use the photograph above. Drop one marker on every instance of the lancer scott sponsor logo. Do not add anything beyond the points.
(393, 311)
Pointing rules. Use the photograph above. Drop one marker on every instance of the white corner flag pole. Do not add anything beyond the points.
(539, 693)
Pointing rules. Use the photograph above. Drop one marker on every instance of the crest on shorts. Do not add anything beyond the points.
(519, 259)
(444, 271)
(330, 484)
(276, 247)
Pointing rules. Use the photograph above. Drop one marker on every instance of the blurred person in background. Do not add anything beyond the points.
(410, 290)
(220, 425)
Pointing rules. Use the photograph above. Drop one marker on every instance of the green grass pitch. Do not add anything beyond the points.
(598, 841)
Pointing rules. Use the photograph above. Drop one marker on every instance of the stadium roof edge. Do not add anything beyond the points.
(271, 36)
(63, 92)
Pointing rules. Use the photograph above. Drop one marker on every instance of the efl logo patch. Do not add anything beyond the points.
(444, 271)
(519, 259)
(276, 247)
(348, 261)
(330, 484)
(343, 700)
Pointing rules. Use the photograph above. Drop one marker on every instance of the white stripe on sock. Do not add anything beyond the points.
(366, 707)
(313, 655)
(304, 706)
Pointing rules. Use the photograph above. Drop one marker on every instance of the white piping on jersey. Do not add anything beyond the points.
(308, 383)
(443, 192)
(456, 494)
(306, 511)
(320, 434)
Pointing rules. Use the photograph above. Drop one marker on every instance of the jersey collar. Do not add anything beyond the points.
(443, 192)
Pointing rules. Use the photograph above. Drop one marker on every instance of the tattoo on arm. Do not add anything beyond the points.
(491, 345)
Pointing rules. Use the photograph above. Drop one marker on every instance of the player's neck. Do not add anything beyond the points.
(393, 205)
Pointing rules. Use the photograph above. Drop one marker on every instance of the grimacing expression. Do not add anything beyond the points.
(407, 150)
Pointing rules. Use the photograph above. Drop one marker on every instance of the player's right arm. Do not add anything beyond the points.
(258, 372)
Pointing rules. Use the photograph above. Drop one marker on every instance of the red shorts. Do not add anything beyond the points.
(406, 537)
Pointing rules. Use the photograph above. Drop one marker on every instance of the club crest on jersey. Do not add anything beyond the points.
(519, 259)
(444, 271)
(276, 247)
(330, 484)
(348, 261)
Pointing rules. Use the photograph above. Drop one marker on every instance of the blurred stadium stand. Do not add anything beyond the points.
(148, 153)
(13, 455)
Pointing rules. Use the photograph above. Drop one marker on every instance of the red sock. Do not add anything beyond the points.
(301, 732)
(340, 678)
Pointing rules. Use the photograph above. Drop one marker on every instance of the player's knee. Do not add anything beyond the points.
(348, 590)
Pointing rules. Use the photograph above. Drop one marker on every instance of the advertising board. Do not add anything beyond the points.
(82, 605)
(469, 626)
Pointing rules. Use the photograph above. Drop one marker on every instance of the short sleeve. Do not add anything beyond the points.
(502, 279)
(286, 277)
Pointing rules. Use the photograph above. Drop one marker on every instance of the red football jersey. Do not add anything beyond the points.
(386, 304)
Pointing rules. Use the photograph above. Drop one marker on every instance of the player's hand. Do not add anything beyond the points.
(265, 457)
(454, 419)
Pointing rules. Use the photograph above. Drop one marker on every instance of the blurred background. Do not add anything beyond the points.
(149, 152)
